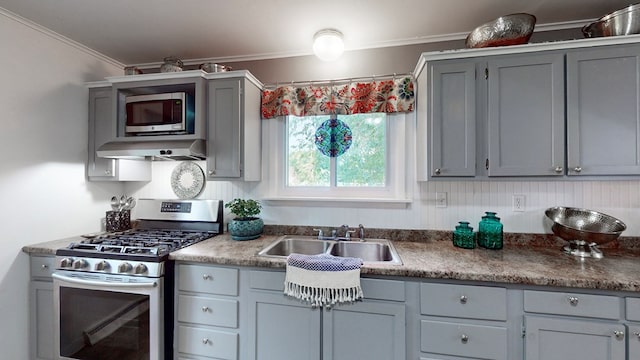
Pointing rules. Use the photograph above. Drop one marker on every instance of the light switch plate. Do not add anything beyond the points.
(441, 199)
(518, 202)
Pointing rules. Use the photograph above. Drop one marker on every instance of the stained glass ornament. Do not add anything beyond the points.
(333, 138)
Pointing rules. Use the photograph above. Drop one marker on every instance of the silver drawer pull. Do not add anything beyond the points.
(206, 309)
(573, 300)
(464, 338)
(558, 169)
(207, 277)
(437, 171)
(619, 334)
(206, 341)
(637, 334)
(463, 299)
(44, 266)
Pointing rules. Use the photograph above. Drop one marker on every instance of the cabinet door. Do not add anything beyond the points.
(561, 339)
(41, 316)
(364, 330)
(224, 146)
(634, 341)
(282, 328)
(452, 117)
(101, 128)
(603, 111)
(526, 115)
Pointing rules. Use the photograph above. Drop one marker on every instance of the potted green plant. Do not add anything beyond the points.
(246, 225)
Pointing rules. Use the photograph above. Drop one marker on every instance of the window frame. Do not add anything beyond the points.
(395, 173)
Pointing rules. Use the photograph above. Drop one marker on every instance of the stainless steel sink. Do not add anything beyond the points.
(370, 251)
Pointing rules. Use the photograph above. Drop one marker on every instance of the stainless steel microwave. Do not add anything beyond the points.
(166, 113)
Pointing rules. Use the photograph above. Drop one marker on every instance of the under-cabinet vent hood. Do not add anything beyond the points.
(154, 150)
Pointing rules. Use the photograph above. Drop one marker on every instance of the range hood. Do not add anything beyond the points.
(154, 150)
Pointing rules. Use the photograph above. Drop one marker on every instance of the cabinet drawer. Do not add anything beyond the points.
(477, 341)
(42, 266)
(572, 304)
(379, 289)
(464, 301)
(208, 311)
(203, 342)
(633, 308)
(208, 279)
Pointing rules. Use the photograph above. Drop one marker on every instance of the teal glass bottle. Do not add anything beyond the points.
(463, 236)
(490, 231)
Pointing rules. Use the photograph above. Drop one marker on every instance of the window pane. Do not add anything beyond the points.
(306, 165)
(364, 164)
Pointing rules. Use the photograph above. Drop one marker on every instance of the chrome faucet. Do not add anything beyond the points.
(361, 232)
(334, 234)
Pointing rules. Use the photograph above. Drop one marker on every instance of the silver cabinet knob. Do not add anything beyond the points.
(637, 334)
(558, 169)
(577, 169)
(107, 172)
(44, 266)
(206, 309)
(207, 277)
(619, 334)
(211, 172)
(573, 300)
(206, 341)
(314, 306)
(464, 338)
(463, 299)
(437, 171)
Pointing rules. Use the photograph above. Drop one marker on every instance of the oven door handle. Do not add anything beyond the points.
(103, 283)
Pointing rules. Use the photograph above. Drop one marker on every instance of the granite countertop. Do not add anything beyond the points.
(439, 259)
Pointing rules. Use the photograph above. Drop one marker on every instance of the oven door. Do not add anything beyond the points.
(100, 316)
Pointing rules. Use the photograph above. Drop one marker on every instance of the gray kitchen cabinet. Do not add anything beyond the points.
(285, 328)
(525, 115)
(603, 111)
(493, 116)
(41, 312)
(101, 130)
(207, 312)
(562, 325)
(234, 130)
(452, 95)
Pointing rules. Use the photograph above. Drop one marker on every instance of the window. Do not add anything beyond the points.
(358, 162)
(365, 162)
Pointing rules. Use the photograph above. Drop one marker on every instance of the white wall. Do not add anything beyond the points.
(43, 142)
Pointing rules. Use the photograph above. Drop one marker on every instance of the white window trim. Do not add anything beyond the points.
(393, 195)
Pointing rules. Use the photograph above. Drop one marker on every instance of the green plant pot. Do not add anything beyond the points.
(245, 229)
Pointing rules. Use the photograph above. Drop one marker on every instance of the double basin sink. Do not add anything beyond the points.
(370, 250)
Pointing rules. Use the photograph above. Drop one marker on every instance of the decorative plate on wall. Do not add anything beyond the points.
(187, 180)
(333, 137)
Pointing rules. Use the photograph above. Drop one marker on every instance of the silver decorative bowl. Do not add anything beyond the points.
(584, 229)
(625, 21)
(513, 29)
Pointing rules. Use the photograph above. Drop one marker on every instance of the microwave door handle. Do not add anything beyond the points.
(102, 283)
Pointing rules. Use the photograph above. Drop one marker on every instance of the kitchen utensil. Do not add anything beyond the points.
(213, 68)
(123, 201)
(115, 203)
(510, 29)
(625, 21)
(582, 224)
(130, 203)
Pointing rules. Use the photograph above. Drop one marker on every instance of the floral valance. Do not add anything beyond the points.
(389, 96)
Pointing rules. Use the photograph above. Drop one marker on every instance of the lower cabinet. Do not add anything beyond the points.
(41, 308)
(574, 326)
(207, 312)
(284, 328)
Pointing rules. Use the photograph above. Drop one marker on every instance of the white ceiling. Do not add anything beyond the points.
(138, 32)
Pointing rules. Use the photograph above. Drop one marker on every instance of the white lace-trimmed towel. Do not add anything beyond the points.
(323, 279)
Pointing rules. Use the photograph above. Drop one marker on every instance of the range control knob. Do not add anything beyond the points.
(66, 263)
(102, 266)
(80, 264)
(140, 269)
(125, 267)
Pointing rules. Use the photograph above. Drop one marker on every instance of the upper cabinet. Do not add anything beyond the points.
(503, 112)
(234, 129)
(603, 111)
(101, 128)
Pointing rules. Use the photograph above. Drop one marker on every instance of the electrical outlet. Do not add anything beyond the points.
(441, 199)
(518, 202)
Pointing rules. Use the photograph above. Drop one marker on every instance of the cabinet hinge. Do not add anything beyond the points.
(486, 73)
(524, 330)
(486, 164)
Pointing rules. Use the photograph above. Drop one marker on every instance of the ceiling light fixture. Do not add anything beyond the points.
(328, 44)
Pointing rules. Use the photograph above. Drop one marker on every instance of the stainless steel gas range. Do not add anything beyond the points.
(113, 293)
